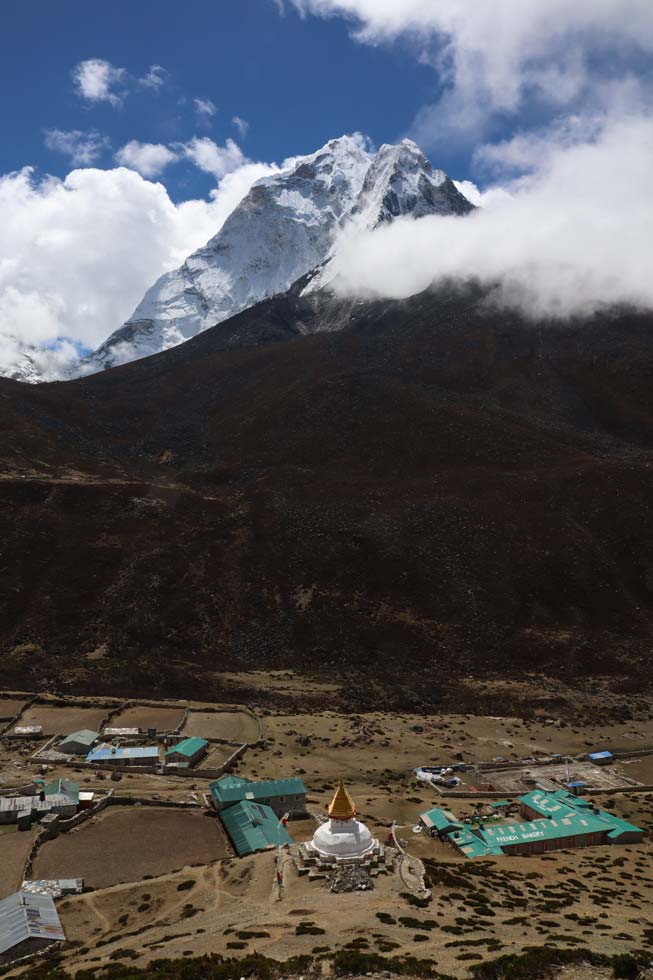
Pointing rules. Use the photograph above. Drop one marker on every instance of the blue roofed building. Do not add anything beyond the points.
(123, 758)
(282, 795)
(603, 758)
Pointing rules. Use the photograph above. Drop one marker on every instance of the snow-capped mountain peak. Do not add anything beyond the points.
(281, 229)
(401, 180)
(286, 227)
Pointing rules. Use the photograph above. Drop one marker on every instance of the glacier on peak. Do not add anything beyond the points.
(283, 229)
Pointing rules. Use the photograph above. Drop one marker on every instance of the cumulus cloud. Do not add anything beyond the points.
(493, 59)
(241, 125)
(154, 79)
(205, 108)
(67, 276)
(149, 159)
(212, 158)
(98, 80)
(573, 236)
(81, 148)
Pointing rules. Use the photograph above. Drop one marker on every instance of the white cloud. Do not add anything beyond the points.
(572, 237)
(205, 108)
(76, 256)
(81, 148)
(98, 80)
(155, 78)
(212, 158)
(149, 159)
(481, 199)
(494, 59)
(241, 125)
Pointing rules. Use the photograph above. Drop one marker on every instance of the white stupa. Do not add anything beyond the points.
(343, 837)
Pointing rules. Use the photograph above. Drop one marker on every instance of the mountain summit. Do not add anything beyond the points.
(284, 228)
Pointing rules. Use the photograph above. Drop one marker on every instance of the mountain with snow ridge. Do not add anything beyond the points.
(284, 230)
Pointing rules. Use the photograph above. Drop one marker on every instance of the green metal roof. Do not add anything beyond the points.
(499, 804)
(83, 737)
(253, 827)
(230, 782)
(473, 846)
(231, 789)
(440, 819)
(564, 815)
(189, 747)
(62, 786)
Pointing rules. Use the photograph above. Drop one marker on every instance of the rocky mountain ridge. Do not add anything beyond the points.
(284, 229)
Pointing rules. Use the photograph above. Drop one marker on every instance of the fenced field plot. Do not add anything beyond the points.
(14, 848)
(9, 708)
(524, 778)
(129, 843)
(162, 719)
(63, 721)
(235, 726)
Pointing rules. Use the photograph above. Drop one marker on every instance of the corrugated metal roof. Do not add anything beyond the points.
(188, 747)
(62, 787)
(83, 737)
(253, 827)
(103, 752)
(29, 804)
(24, 916)
(234, 790)
(600, 755)
(18, 804)
(440, 819)
(564, 815)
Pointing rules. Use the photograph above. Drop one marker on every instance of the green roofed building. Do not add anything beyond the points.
(62, 787)
(553, 821)
(438, 821)
(253, 827)
(79, 743)
(282, 795)
(187, 752)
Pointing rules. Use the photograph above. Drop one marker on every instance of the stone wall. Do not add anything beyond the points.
(14, 721)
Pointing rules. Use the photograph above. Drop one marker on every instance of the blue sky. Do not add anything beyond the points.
(297, 82)
(132, 128)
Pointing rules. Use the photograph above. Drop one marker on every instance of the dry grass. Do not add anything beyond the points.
(63, 721)
(14, 848)
(129, 843)
(163, 719)
(9, 708)
(236, 726)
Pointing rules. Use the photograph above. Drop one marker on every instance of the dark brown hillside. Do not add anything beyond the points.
(435, 490)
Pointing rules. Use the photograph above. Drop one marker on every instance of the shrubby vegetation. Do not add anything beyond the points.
(534, 963)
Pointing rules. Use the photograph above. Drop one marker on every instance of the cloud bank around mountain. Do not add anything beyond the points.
(573, 236)
(565, 223)
(77, 254)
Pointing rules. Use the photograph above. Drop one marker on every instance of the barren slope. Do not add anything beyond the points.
(437, 487)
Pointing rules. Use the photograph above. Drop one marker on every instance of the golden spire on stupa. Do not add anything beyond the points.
(342, 807)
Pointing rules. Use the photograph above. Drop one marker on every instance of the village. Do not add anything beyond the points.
(122, 821)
